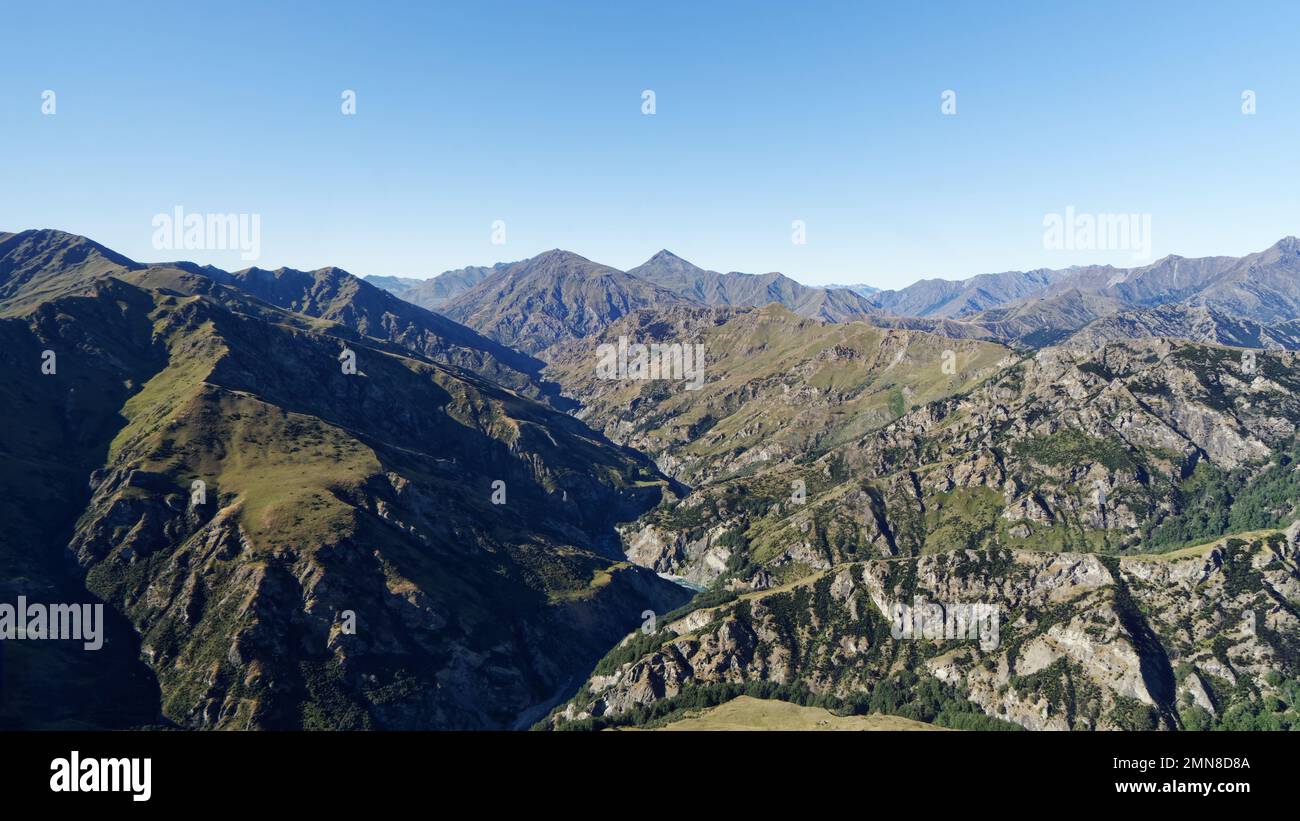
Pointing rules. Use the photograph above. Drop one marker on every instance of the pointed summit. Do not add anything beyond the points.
(553, 297)
(666, 268)
(39, 264)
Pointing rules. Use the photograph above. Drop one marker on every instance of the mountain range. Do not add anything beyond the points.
(309, 502)
(463, 530)
(1045, 306)
(533, 304)
(753, 290)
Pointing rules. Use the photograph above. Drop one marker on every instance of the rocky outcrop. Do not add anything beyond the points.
(1066, 641)
(1067, 450)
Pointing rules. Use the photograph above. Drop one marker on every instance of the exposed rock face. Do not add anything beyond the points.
(700, 561)
(335, 295)
(286, 543)
(1077, 642)
(1065, 450)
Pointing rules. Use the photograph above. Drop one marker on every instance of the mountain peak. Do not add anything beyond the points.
(52, 240)
(334, 271)
(663, 262)
(559, 255)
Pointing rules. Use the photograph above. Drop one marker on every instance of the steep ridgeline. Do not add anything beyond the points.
(405, 545)
(435, 292)
(955, 299)
(36, 266)
(56, 430)
(754, 290)
(1063, 641)
(775, 387)
(1133, 447)
(336, 295)
(1192, 322)
(1231, 300)
(551, 298)
(861, 289)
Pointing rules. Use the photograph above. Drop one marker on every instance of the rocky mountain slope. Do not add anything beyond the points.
(343, 563)
(309, 503)
(1061, 488)
(775, 386)
(1043, 307)
(1069, 641)
(954, 299)
(1196, 323)
(1137, 446)
(40, 265)
(861, 289)
(553, 297)
(755, 290)
(335, 295)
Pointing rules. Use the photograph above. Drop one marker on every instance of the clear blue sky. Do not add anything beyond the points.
(530, 112)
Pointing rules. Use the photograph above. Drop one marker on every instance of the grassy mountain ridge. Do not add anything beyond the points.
(325, 492)
(39, 265)
(776, 386)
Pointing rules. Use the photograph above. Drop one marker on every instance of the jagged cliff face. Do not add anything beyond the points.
(343, 562)
(1069, 641)
(1110, 449)
(1046, 493)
